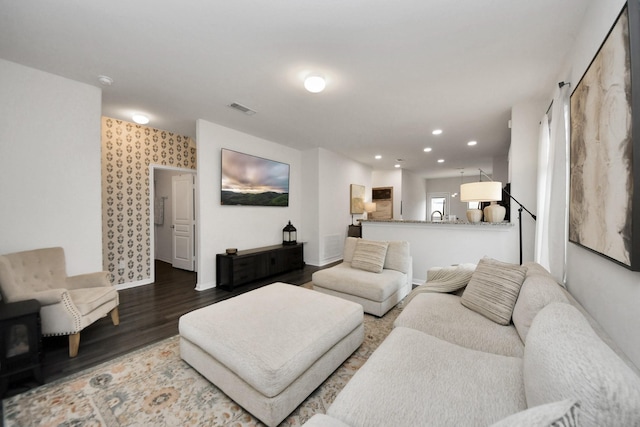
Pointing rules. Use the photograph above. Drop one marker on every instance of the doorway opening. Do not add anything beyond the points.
(172, 228)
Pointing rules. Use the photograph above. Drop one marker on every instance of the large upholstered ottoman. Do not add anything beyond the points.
(268, 349)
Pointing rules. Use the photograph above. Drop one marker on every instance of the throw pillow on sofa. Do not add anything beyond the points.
(493, 289)
(369, 255)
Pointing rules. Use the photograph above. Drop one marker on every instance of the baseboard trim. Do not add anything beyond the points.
(121, 286)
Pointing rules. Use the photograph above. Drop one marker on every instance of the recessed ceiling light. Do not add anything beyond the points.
(437, 131)
(440, 160)
(427, 150)
(396, 165)
(471, 143)
(314, 84)
(140, 119)
(378, 156)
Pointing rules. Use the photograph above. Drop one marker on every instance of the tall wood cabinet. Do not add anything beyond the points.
(383, 198)
(253, 264)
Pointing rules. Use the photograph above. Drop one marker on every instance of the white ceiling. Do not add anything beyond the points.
(395, 70)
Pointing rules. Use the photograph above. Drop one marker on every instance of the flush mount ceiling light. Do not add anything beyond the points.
(440, 160)
(427, 150)
(472, 143)
(140, 119)
(314, 84)
(105, 80)
(378, 157)
(437, 131)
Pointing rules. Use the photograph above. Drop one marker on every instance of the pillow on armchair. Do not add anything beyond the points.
(369, 255)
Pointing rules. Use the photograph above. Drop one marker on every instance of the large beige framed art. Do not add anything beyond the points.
(357, 199)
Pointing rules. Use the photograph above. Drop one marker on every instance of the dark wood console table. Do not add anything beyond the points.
(253, 264)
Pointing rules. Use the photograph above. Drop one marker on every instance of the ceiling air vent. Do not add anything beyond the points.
(248, 111)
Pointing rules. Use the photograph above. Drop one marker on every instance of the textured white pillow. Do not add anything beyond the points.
(556, 414)
(369, 255)
(493, 289)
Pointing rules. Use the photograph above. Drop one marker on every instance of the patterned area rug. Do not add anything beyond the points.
(154, 387)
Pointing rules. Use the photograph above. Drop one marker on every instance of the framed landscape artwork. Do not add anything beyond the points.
(248, 180)
(604, 209)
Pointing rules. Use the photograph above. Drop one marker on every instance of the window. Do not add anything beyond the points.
(438, 206)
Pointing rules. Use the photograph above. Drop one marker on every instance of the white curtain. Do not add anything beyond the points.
(545, 176)
(553, 187)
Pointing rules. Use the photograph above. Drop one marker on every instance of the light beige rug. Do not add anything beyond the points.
(154, 387)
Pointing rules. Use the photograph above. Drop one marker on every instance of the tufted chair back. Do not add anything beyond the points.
(30, 271)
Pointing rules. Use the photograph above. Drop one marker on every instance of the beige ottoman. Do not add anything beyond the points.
(270, 348)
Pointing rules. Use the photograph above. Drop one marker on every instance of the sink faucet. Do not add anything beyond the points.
(436, 212)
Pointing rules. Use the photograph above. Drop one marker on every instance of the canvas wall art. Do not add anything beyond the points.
(601, 210)
(356, 196)
(248, 180)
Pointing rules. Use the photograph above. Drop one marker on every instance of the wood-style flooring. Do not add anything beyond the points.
(148, 314)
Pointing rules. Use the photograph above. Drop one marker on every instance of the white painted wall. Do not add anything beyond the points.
(336, 174)
(392, 178)
(609, 292)
(523, 154)
(50, 165)
(413, 197)
(437, 245)
(501, 169)
(242, 227)
(311, 205)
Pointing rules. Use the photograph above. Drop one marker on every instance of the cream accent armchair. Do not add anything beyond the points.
(68, 304)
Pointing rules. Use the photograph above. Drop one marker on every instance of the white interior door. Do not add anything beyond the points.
(183, 227)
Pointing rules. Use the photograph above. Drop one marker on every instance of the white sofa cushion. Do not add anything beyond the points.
(538, 290)
(565, 413)
(414, 379)
(349, 247)
(89, 299)
(398, 256)
(375, 287)
(565, 359)
(493, 289)
(442, 316)
(369, 255)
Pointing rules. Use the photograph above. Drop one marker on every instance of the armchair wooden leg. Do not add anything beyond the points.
(115, 316)
(74, 344)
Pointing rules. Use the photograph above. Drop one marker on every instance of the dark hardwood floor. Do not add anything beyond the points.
(148, 314)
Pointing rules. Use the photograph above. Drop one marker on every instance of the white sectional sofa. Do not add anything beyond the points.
(446, 364)
(374, 274)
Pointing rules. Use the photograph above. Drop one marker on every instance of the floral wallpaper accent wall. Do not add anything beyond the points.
(127, 151)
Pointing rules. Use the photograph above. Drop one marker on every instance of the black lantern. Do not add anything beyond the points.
(289, 234)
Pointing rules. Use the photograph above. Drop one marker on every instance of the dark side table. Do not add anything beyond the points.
(354, 231)
(20, 341)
